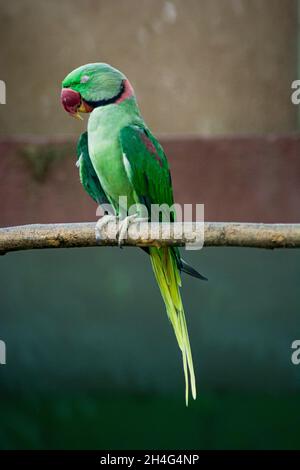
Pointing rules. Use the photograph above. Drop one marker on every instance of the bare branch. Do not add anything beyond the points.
(28, 237)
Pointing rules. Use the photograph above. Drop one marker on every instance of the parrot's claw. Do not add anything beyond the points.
(124, 225)
(101, 223)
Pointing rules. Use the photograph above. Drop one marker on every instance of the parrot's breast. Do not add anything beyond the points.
(105, 151)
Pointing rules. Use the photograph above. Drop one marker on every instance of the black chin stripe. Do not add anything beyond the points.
(105, 102)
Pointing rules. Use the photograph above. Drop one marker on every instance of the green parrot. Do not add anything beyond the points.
(118, 156)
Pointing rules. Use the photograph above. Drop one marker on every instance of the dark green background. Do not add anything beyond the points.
(92, 361)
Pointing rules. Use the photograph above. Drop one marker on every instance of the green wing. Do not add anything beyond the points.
(148, 170)
(87, 174)
(146, 166)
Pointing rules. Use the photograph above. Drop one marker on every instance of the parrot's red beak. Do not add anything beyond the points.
(73, 103)
(71, 100)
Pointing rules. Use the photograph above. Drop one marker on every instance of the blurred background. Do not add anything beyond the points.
(91, 358)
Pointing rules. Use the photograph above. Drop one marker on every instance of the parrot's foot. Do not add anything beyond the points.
(124, 225)
(101, 223)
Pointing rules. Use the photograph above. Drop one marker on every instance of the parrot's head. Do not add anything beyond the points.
(91, 86)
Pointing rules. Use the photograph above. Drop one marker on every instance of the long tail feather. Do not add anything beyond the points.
(168, 278)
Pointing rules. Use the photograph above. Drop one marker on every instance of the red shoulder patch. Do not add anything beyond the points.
(150, 146)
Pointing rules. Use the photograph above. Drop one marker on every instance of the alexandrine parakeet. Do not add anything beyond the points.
(118, 156)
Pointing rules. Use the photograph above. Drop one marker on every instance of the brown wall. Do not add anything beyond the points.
(198, 66)
(238, 179)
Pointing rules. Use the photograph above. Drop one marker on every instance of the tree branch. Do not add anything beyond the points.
(27, 237)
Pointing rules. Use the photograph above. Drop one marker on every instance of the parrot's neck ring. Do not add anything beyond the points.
(125, 92)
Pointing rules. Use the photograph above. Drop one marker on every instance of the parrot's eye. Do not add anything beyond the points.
(84, 79)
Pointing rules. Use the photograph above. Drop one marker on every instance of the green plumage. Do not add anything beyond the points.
(120, 157)
(149, 173)
(87, 174)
